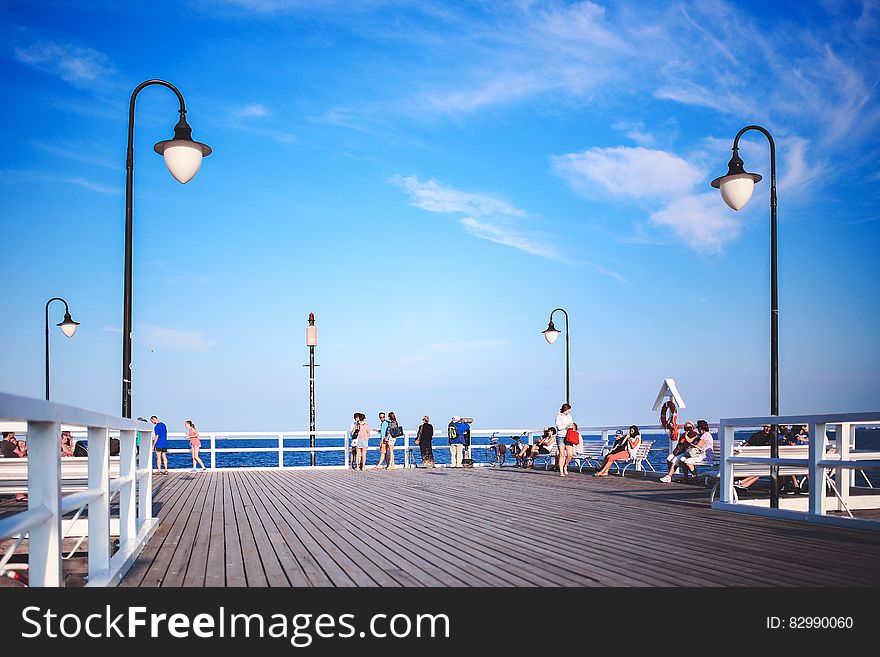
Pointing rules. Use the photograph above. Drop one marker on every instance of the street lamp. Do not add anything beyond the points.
(183, 157)
(68, 327)
(736, 189)
(311, 343)
(550, 334)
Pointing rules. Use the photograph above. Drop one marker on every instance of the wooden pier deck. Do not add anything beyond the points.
(445, 527)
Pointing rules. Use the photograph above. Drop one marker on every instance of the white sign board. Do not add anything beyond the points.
(668, 391)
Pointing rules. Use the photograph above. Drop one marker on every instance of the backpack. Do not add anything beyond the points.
(452, 432)
(114, 447)
(80, 450)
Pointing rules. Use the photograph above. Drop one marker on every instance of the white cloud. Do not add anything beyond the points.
(626, 172)
(78, 66)
(15, 176)
(176, 339)
(253, 110)
(507, 237)
(702, 221)
(434, 197)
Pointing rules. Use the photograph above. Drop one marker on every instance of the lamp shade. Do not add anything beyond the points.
(550, 333)
(68, 326)
(183, 156)
(737, 186)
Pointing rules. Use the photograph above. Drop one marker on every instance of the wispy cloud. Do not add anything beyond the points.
(176, 339)
(486, 216)
(627, 172)
(18, 176)
(252, 110)
(78, 152)
(661, 179)
(430, 195)
(473, 345)
(82, 67)
(702, 221)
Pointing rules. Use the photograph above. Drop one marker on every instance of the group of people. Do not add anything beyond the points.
(11, 447)
(693, 447)
(160, 445)
(390, 430)
(786, 435)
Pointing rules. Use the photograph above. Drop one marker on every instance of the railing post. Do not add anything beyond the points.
(817, 475)
(213, 451)
(44, 490)
(127, 494)
(844, 476)
(346, 449)
(145, 482)
(280, 450)
(726, 433)
(99, 509)
(406, 449)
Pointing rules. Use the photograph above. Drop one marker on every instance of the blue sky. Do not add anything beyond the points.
(431, 179)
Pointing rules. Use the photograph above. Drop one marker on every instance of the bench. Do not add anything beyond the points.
(74, 473)
(641, 456)
(589, 452)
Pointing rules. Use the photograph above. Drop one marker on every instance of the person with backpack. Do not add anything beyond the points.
(456, 442)
(625, 445)
(394, 432)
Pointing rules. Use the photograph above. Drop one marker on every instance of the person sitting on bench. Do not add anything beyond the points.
(624, 447)
(542, 446)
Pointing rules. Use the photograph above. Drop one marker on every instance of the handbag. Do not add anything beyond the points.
(572, 437)
(396, 432)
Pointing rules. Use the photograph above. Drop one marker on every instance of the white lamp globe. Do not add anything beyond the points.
(736, 190)
(68, 326)
(551, 333)
(183, 158)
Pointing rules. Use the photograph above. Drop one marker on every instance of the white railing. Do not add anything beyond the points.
(42, 524)
(831, 466)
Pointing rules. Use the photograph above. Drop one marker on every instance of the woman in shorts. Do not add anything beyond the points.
(194, 445)
(563, 422)
(363, 441)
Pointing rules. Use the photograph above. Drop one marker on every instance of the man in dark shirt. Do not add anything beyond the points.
(762, 438)
(9, 445)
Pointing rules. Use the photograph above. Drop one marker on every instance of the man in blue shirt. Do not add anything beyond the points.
(160, 444)
(456, 438)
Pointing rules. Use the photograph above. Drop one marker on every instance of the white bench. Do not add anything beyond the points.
(74, 473)
(641, 456)
(589, 452)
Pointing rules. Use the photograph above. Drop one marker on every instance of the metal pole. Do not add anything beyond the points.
(66, 310)
(312, 403)
(129, 189)
(774, 312)
(567, 357)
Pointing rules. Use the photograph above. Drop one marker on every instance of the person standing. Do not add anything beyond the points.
(383, 439)
(194, 445)
(363, 440)
(353, 435)
(395, 431)
(456, 442)
(564, 452)
(160, 444)
(424, 437)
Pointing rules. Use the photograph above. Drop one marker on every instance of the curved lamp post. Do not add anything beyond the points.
(68, 327)
(183, 157)
(550, 334)
(736, 190)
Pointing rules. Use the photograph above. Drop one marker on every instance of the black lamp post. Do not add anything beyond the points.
(68, 327)
(183, 157)
(311, 343)
(550, 334)
(736, 190)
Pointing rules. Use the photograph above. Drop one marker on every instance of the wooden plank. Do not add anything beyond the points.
(215, 565)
